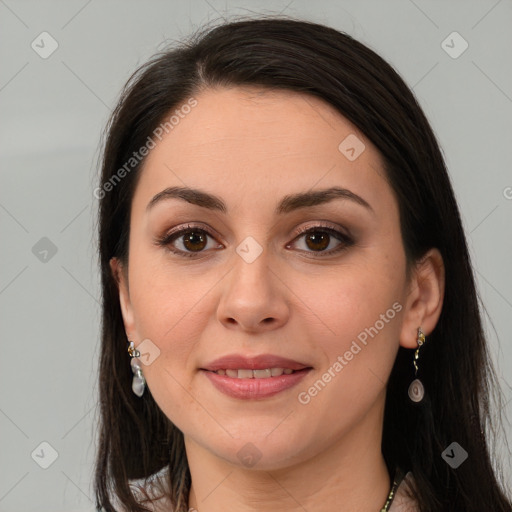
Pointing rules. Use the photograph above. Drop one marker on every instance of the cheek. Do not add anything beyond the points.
(169, 305)
(170, 311)
(352, 298)
(358, 318)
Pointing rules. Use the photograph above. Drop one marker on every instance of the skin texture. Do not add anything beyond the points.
(252, 147)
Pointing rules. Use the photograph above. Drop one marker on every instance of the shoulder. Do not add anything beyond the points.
(156, 487)
(403, 502)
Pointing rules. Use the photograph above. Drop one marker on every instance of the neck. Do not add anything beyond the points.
(349, 475)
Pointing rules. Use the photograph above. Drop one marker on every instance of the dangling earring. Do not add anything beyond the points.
(138, 382)
(416, 389)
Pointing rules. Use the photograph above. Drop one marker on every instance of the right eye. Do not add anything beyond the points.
(193, 240)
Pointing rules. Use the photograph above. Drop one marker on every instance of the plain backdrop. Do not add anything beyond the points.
(53, 110)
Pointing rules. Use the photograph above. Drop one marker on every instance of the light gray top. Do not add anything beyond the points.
(401, 502)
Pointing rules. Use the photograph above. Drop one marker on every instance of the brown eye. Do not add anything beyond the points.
(194, 241)
(188, 241)
(317, 240)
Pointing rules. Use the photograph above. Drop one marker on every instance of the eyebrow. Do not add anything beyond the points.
(288, 204)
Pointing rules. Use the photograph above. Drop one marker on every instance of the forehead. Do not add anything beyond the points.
(254, 121)
(238, 141)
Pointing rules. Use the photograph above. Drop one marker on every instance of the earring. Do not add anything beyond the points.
(416, 389)
(138, 382)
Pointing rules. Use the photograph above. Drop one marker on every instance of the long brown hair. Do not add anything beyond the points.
(135, 438)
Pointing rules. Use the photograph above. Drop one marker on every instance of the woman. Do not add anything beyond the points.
(290, 320)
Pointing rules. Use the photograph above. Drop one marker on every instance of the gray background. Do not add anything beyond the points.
(53, 111)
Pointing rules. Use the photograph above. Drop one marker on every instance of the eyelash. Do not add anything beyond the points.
(167, 239)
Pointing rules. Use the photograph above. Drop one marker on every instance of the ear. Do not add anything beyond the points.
(120, 275)
(425, 298)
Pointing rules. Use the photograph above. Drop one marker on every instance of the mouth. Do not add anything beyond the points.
(254, 377)
(265, 373)
(263, 362)
(254, 384)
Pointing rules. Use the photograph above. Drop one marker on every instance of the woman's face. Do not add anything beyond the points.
(244, 282)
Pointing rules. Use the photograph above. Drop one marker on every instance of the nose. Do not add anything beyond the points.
(254, 297)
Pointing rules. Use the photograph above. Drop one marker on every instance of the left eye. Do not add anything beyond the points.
(318, 239)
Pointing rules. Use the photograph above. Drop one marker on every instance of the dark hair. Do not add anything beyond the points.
(135, 438)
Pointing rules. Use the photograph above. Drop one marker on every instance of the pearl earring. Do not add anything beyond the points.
(416, 389)
(138, 382)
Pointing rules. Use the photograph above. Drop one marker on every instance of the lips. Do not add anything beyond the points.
(255, 388)
(243, 373)
(261, 362)
(257, 377)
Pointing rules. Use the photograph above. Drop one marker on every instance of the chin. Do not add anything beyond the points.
(259, 453)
